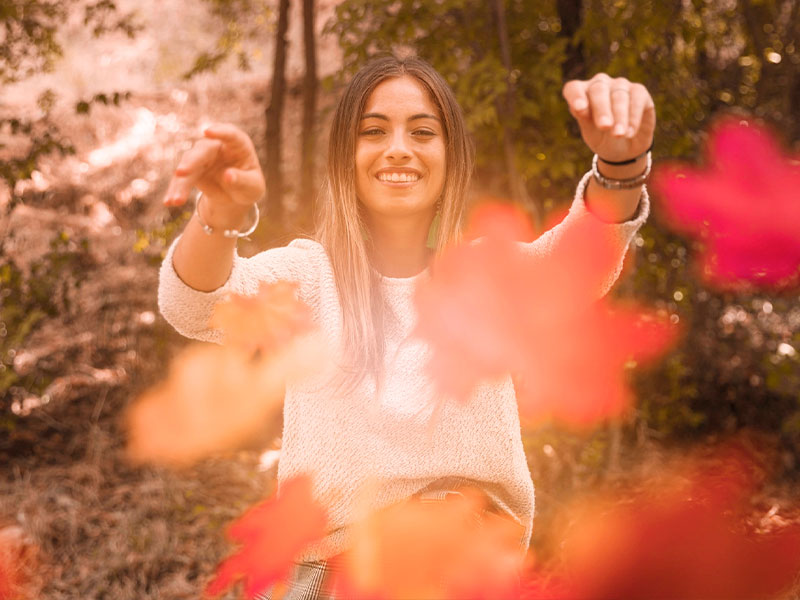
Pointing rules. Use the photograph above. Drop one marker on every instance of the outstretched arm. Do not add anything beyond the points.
(201, 269)
(224, 167)
(617, 121)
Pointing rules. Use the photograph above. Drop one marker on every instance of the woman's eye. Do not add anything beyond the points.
(424, 132)
(371, 132)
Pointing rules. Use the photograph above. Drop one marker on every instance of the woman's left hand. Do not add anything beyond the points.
(617, 117)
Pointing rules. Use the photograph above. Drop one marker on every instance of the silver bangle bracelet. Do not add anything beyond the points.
(622, 184)
(228, 233)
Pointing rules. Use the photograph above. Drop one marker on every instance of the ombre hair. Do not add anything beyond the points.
(340, 223)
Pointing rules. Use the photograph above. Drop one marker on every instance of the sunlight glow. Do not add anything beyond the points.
(129, 144)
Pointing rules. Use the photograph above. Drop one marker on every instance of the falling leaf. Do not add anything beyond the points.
(213, 399)
(272, 534)
(217, 397)
(492, 308)
(681, 535)
(577, 370)
(744, 206)
(18, 561)
(451, 548)
(266, 321)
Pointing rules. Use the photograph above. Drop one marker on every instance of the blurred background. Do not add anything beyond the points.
(98, 99)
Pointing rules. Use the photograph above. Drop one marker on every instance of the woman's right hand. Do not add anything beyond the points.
(224, 166)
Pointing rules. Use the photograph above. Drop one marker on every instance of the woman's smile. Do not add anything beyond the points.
(398, 177)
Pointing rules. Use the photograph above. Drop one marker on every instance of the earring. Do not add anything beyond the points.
(433, 231)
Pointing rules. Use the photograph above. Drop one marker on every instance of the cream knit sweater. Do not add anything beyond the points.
(387, 442)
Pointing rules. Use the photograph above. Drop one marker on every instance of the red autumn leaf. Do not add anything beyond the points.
(18, 561)
(576, 373)
(272, 534)
(682, 536)
(744, 206)
(213, 399)
(266, 321)
(433, 549)
(491, 308)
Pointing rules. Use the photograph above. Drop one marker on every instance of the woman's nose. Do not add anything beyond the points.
(398, 146)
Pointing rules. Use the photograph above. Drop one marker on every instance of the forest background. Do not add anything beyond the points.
(98, 100)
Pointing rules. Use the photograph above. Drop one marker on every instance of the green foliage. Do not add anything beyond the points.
(30, 32)
(154, 241)
(103, 17)
(26, 298)
(29, 37)
(243, 20)
(30, 45)
(43, 138)
(84, 106)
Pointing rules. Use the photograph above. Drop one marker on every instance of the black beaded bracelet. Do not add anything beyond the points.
(630, 161)
(622, 184)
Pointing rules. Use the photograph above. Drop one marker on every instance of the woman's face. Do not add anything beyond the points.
(400, 152)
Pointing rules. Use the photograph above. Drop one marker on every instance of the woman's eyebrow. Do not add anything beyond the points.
(423, 116)
(411, 118)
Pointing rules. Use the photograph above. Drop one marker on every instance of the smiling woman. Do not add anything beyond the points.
(399, 165)
(400, 161)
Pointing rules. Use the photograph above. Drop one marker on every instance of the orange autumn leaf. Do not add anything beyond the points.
(213, 399)
(266, 321)
(440, 549)
(492, 308)
(271, 534)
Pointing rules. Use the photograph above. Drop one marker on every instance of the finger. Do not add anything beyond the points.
(193, 165)
(635, 109)
(599, 92)
(620, 98)
(574, 92)
(648, 117)
(228, 134)
(243, 185)
(198, 159)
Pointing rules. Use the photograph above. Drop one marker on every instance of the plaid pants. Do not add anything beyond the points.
(312, 580)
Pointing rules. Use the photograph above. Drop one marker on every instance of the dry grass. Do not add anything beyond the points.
(107, 530)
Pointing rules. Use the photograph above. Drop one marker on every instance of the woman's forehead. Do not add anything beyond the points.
(400, 96)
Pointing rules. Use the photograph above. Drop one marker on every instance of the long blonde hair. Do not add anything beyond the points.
(339, 220)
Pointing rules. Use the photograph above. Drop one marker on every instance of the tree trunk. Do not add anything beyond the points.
(569, 13)
(274, 115)
(506, 109)
(307, 189)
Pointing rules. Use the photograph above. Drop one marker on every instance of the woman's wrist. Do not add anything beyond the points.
(220, 217)
(621, 172)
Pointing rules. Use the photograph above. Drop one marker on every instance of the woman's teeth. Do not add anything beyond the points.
(398, 177)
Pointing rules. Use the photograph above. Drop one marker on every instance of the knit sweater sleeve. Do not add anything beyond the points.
(189, 310)
(619, 234)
